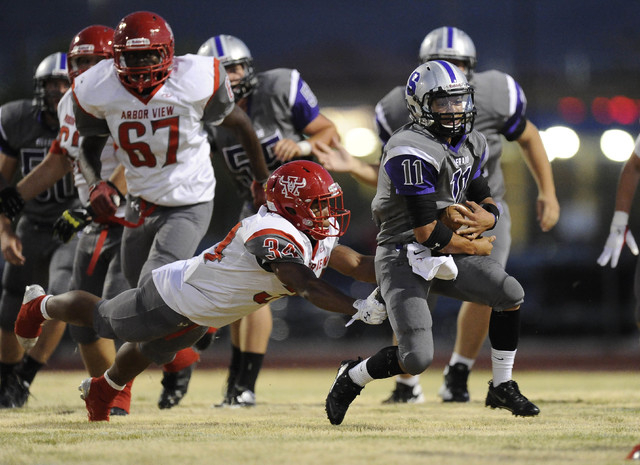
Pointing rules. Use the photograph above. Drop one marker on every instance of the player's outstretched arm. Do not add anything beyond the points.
(351, 263)
(238, 122)
(341, 161)
(53, 168)
(322, 294)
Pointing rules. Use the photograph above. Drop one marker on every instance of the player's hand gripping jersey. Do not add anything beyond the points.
(160, 136)
(233, 278)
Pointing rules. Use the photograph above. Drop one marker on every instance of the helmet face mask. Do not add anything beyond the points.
(304, 193)
(232, 51)
(143, 49)
(450, 44)
(51, 81)
(440, 99)
(89, 46)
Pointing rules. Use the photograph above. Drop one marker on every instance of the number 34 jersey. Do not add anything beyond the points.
(160, 137)
(415, 162)
(233, 278)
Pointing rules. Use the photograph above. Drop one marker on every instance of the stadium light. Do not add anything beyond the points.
(616, 144)
(560, 142)
(360, 142)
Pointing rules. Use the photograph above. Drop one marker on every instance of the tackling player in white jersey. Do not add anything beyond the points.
(286, 116)
(155, 105)
(282, 250)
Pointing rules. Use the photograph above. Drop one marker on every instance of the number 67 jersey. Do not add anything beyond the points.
(160, 137)
(233, 278)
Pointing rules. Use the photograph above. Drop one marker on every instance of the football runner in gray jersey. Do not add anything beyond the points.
(500, 103)
(32, 254)
(287, 119)
(429, 164)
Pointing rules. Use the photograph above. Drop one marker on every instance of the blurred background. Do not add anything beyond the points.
(578, 62)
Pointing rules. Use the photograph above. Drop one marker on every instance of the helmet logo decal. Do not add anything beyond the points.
(411, 85)
(138, 42)
(291, 186)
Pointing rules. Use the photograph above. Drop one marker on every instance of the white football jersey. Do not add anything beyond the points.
(232, 279)
(160, 137)
(70, 141)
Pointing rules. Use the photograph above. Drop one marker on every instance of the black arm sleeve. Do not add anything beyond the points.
(478, 189)
(422, 209)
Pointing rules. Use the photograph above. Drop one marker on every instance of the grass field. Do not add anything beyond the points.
(586, 418)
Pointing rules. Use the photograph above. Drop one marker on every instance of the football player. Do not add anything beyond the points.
(282, 250)
(27, 129)
(155, 105)
(96, 267)
(501, 105)
(619, 232)
(427, 165)
(286, 116)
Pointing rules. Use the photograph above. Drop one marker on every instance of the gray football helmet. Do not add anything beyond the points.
(449, 43)
(52, 67)
(440, 99)
(231, 51)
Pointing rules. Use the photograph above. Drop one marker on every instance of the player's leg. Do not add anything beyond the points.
(405, 295)
(178, 232)
(252, 336)
(473, 323)
(482, 279)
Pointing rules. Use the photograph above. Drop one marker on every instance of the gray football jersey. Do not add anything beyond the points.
(414, 162)
(500, 103)
(23, 136)
(280, 107)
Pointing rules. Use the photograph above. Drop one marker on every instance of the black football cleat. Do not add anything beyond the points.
(343, 391)
(507, 396)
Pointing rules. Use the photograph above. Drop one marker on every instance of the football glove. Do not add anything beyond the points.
(619, 235)
(371, 310)
(11, 202)
(105, 198)
(70, 222)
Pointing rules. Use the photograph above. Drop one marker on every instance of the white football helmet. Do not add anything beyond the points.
(449, 43)
(231, 51)
(52, 67)
(440, 99)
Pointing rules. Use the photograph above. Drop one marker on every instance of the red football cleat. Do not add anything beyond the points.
(122, 402)
(634, 454)
(98, 397)
(29, 320)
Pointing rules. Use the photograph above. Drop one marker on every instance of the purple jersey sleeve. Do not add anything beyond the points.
(514, 126)
(411, 175)
(305, 106)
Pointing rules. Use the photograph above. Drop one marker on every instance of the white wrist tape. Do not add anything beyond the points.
(305, 147)
(620, 218)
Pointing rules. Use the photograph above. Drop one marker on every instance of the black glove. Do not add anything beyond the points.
(11, 202)
(70, 222)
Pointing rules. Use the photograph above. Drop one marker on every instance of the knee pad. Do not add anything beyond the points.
(83, 334)
(416, 361)
(513, 294)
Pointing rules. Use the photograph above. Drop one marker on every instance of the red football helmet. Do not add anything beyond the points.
(138, 32)
(91, 41)
(304, 193)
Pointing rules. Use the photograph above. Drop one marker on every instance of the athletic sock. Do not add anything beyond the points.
(249, 371)
(28, 368)
(502, 365)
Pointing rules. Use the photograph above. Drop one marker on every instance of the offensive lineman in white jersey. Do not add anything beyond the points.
(282, 250)
(96, 266)
(154, 106)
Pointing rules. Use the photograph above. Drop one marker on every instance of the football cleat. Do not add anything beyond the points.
(98, 397)
(239, 397)
(174, 386)
(14, 392)
(507, 396)
(29, 319)
(343, 391)
(405, 394)
(454, 387)
(635, 453)
(122, 401)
